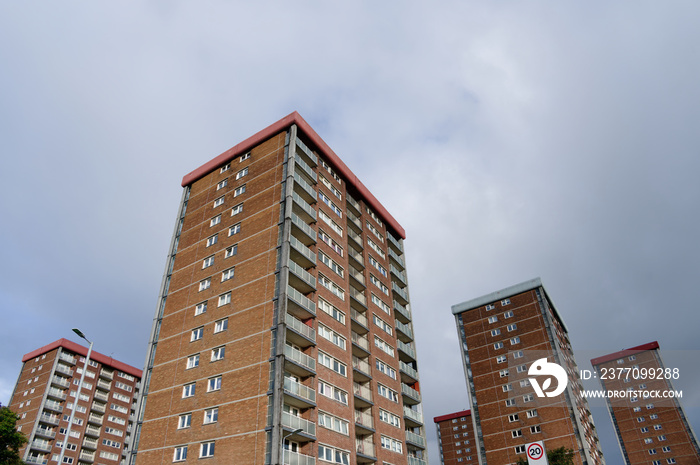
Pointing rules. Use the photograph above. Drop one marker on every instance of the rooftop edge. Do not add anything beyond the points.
(624, 353)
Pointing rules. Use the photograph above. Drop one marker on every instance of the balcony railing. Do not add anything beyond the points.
(305, 168)
(416, 439)
(305, 228)
(364, 447)
(357, 276)
(98, 407)
(410, 392)
(300, 358)
(295, 458)
(53, 405)
(299, 390)
(302, 274)
(400, 293)
(46, 432)
(362, 391)
(304, 205)
(360, 340)
(50, 419)
(90, 443)
(41, 445)
(353, 203)
(409, 370)
(87, 456)
(64, 370)
(356, 256)
(96, 419)
(301, 300)
(301, 328)
(107, 374)
(358, 295)
(67, 358)
(364, 419)
(407, 349)
(405, 328)
(303, 250)
(416, 461)
(413, 415)
(359, 317)
(395, 243)
(354, 220)
(399, 261)
(294, 422)
(307, 152)
(102, 384)
(37, 460)
(92, 431)
(101, 396)
(57, 380)
(398, 274)
(57, 393)
(361, 365)
(307, 190)
(356, 237)
(402, 311)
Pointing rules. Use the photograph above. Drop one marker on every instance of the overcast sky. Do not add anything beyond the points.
(511, 139)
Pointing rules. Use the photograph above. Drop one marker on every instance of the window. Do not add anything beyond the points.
(226, 167)
(507, 387)
(521, 368)
(392, 444)
(519, 449)
(666, 448)
(332, 336)
(330, 242)
(245, 156)
(510, 402)
(331, 264)
(495, 332)
(514, 340)
(508, 314)
(390, 418)
(383, 345)
(512, 327)
(329, 221)
(331, 187)
(373, 245)
(231, 251)
(239, 190)
(200, 308)
(185, 421)
(235, 229)
(375, 231)
(653, 416)
(505, 302)
(330, 454)
(512, 418)
(214, 384)
(498, 345)
(383, 324)
(331, 310)
(193, 361)
(197, 334)
(528, 398)
(218, 353)
(532, 413)
(222, 184)
(330, 170)
(535, 429)
(237, 209)
(214, 221)
(211, 415)
(207, 262)
(204, 284)
(219, 201)
(381, 304)
(388, 393)
(241, 173)
(329, 362)
(221, 325)
(331, 286)
(652, 451)
(518, 354)
(212, 240)
(503, 373)
(524, 382)
(328, 202)
(517, 433)
(501, 359)
(490, 307)
(493, 319)
(224, 299)
(188, 390)
(671, 460)
(206, 449)
(379, 284)
(386, 369)
(332, 392)
(334, 423)
(227, 274)
(657, 427)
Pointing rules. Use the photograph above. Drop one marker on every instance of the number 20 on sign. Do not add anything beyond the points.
(536, 454)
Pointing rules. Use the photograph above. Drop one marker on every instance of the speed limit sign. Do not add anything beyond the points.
(536, 454)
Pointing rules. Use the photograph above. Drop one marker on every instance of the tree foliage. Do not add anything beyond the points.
(10, 439)
(559, 456)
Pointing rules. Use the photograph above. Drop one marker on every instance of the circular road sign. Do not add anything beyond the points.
(535, 451)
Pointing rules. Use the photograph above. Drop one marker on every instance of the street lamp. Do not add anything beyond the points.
(298, 430)
(77, 394)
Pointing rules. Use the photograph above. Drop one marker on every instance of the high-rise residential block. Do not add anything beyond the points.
(45, 395)
(455, 433)
(650, 424)
(502, 334)
(283, 332)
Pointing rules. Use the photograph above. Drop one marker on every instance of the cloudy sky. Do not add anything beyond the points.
(511, 139)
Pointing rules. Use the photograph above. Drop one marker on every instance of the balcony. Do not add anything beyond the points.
(298, 362)
(354, 222)
(90, 444)
(398, 260)
(300, 306)
(299, 333)
(53, 406)
(357, 238)
(97, 407)
(101, 396)
(301, 253)
(50, 419)
(360, 344)
(86, 456)
(365, 450)
(305, 211)
(359, 322)
(45, 432)
(362, 368)
(308, 235)
(299, 395)
(352, 253)
(359, 301)
(58, 381)
(41, 445)
(404, 331)
(107, 374)
(35, 459)
(305, 169)
(64, 370)
(416, 461)
(95, 419)
(295, 458)
(363, 422)
(305, 190)
(300, 278)
(358, 277)
(410, 395)
(395, 244)
(306, 153)
(400, 294)
(406, 352)
(413, 418)
(401, 276)
(104, 385)
(354, 204)
(67, 358)
(291, 422)
(408, 373)
(59, 394)
(401, 313)
(415, 439)
(363, 395)
(92, 431)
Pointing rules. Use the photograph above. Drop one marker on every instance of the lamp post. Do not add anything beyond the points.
(77, 395)
(298, 430)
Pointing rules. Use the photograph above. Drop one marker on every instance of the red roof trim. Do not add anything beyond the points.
(332, 158)
(78, 349)
(452, 416)
(624, 353)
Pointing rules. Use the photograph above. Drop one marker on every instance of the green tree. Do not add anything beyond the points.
(10, 439)
(559, 456)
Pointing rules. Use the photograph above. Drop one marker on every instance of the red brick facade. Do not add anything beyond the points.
(455, 433)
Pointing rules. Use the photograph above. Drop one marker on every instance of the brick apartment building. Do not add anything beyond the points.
(46, 391)
(650, 430)
(284, 317)
(502, 333)
(455, 433)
